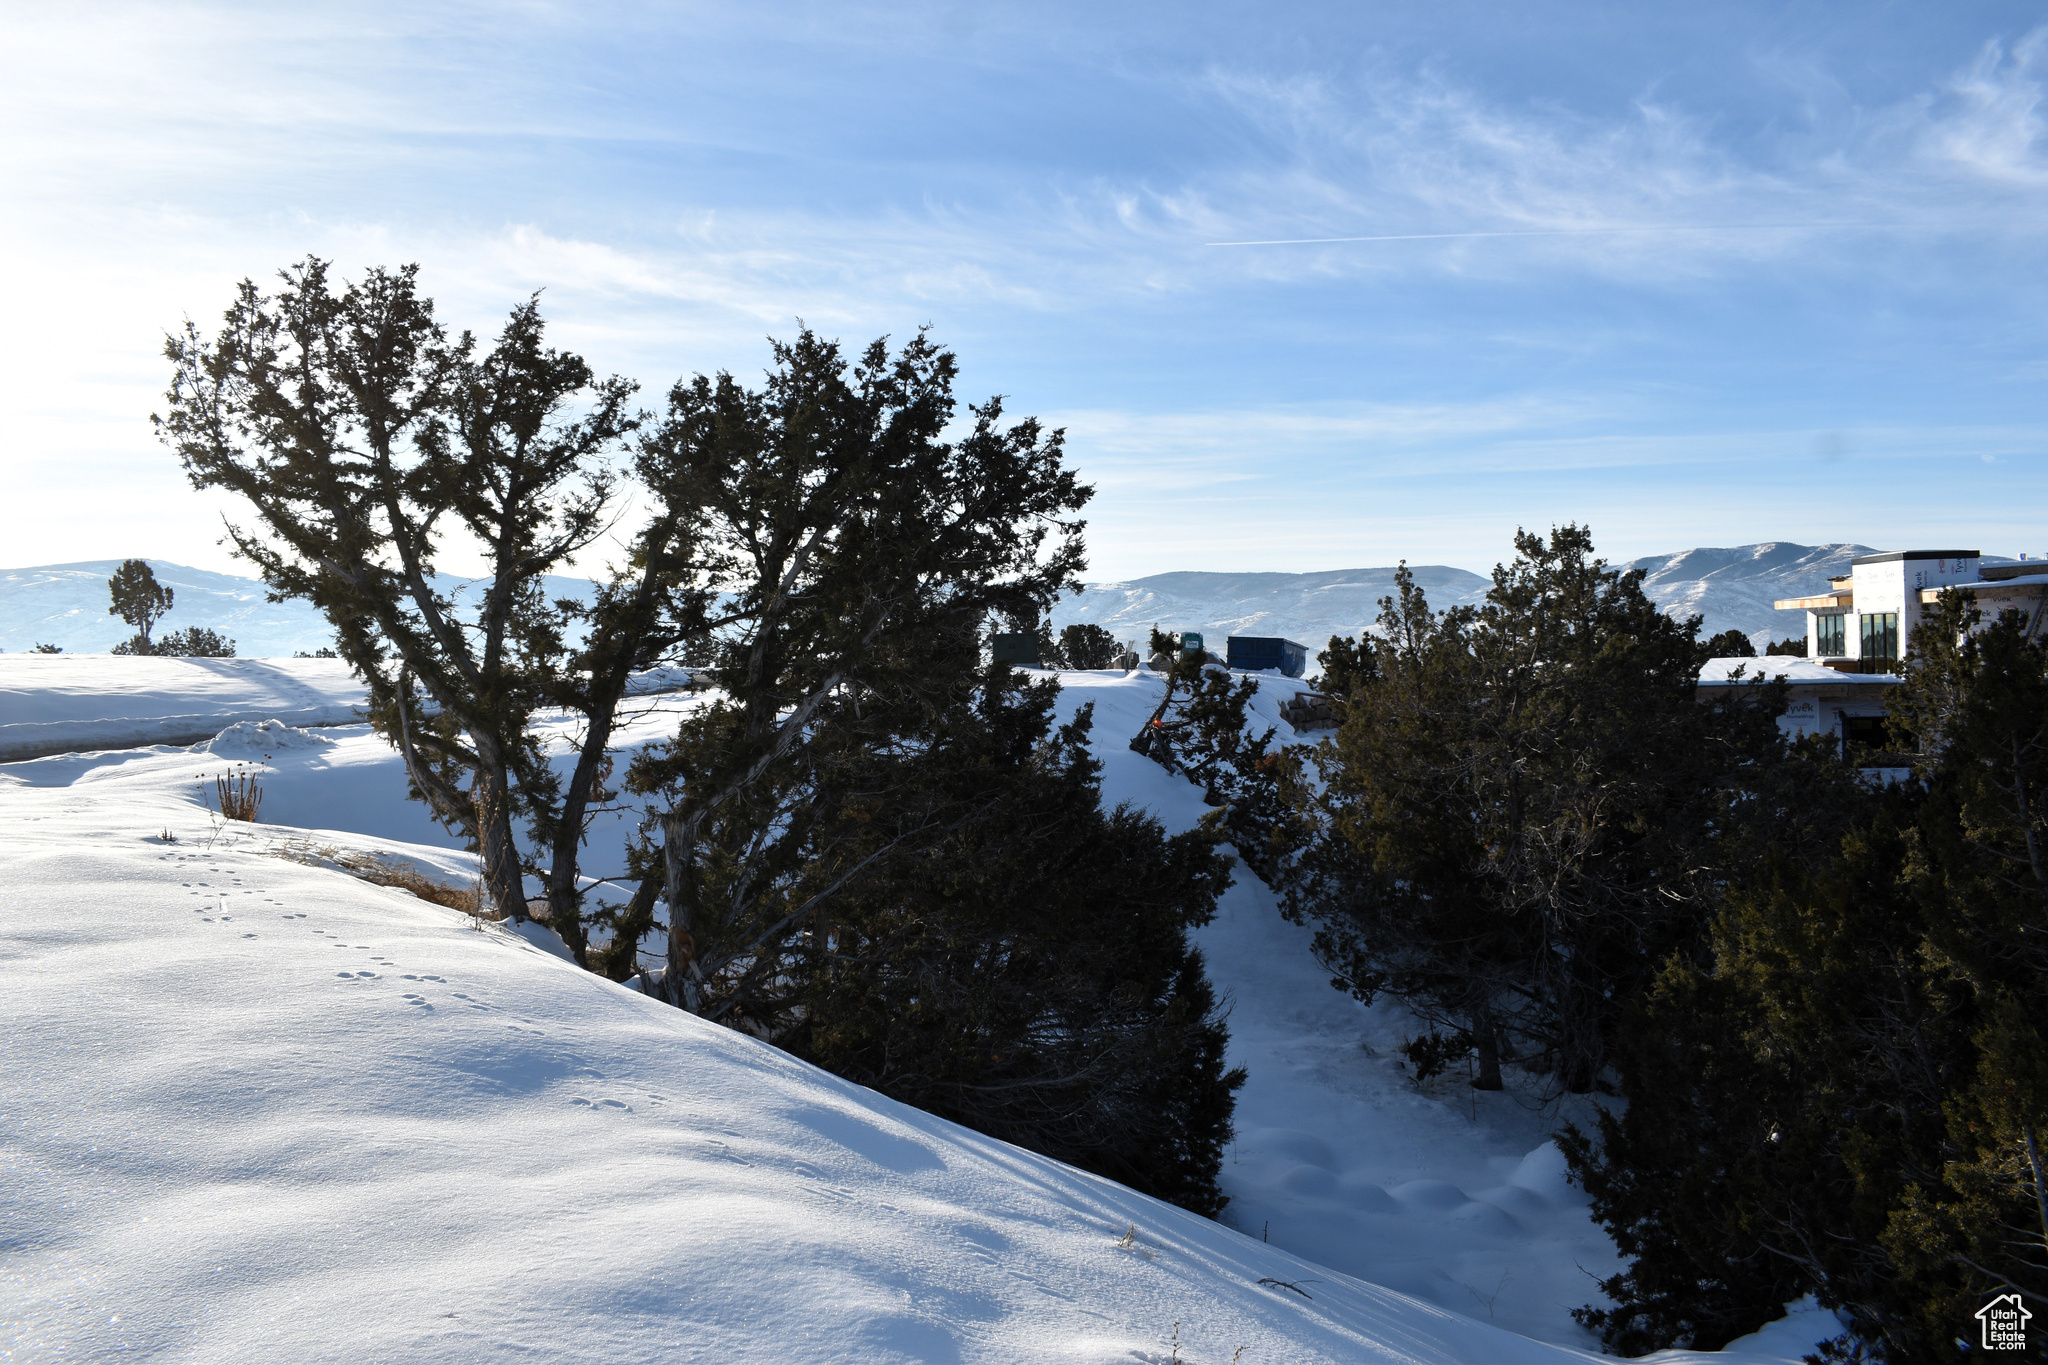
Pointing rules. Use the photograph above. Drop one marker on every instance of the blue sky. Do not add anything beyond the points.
(1694, 275)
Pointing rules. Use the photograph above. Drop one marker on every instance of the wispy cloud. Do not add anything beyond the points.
(1989, 125)
(1537, 295)
(1441, 177)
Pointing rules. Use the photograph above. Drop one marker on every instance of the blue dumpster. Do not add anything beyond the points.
(1256, 653)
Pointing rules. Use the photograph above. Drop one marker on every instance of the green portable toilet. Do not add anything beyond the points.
(1018, 649)
(1191, 644)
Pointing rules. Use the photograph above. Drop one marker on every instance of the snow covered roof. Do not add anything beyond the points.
(1721, 673)
(2030, 580)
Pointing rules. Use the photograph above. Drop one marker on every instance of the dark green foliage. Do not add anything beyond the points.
(47, 649)
(1089, 646)
(1051, 654)
(321, 653)
(1794, 646)
(138, 599)
(1729, 644)
(1517, 817)
(1432, 1052)
(1020, 963)
(197, 642)
(1348, 667)
(858, 555)
(1845, 1094)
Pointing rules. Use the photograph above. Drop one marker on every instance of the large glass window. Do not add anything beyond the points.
(1880, 636)
(1830, 640)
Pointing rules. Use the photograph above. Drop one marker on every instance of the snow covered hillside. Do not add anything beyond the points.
(56, 703)
(1308, 607)
(66, 604)
(64, 703)
(262, 1112)
(1733, 589)
(257, 1109)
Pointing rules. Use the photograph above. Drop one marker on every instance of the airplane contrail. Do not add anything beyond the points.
(1549, 232)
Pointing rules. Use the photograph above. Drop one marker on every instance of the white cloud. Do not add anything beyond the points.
(1991, 127)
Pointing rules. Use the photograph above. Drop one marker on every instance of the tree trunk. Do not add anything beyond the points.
(679, 890)
(495, 844)
(565, 904)
(1486, 1043)
(620, 959)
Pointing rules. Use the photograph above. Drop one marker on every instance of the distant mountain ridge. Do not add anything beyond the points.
(66, 604)
(1308, 607)
(1731, 588)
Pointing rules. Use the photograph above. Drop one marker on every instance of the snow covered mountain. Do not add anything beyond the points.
(1308, 607)
(1730, 588)
(66, 604)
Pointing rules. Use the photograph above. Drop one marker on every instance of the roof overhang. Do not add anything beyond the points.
(1824, 602)
(2025, 589)
(1894, 556)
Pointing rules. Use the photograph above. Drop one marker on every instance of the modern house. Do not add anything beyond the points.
(1819, 700)
(1858, 630)
(1864, 623)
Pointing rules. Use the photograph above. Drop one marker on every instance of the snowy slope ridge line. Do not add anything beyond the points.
(261, 1111)
(56, 703)
(66, 703)
(18, 742)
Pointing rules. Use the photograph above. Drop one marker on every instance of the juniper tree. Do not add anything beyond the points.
(1012, 955)
(197, 642)
(362, 437)
(1087, 645)
(1845, 1095)
(138, 599)
(1513, 820)
(1729, 644)
(1348, 666)
(856, 554)
(940, 908)
(1202, 729)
